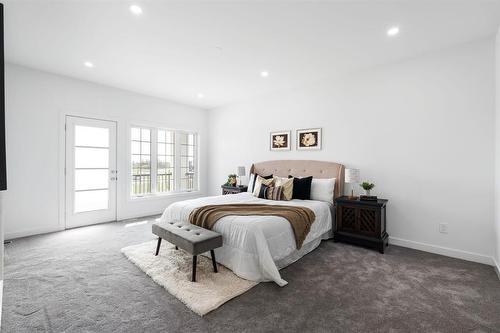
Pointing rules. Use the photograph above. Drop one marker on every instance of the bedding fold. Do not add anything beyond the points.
(300, 218)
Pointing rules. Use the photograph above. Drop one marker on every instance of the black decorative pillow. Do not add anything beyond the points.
(301, 187)
(263, 191)
(255, 180)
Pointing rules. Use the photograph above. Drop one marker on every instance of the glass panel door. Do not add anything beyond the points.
(90, 171)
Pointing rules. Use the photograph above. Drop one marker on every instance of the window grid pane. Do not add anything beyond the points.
(141, 161)
(165, 175)
(88, 201)
(187, 156)
(86, 136)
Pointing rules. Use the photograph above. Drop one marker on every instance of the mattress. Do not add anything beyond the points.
(256, 247)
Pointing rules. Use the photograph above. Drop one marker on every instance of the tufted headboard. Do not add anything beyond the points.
(302, 168)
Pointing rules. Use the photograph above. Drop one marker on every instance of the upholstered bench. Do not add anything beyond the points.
(190, 238)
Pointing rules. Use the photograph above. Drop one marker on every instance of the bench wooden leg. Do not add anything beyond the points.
(212, 254)
(193, 279)
(158, 246)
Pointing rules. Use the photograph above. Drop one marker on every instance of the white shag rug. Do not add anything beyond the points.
(172, 270)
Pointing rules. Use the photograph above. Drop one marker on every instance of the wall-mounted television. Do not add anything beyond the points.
(3, 163)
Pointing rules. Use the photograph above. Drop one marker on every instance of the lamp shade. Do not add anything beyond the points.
(241, 171)
(352, 176)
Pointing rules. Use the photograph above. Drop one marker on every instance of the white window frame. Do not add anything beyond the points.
(178, 157)
(175, 161)
(129, 177)
(154, 162)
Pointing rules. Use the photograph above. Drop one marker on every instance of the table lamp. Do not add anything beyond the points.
(241, 172)
(352, 177)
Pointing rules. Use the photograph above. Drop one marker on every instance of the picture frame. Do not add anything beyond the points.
(280, 141)
(309, 139)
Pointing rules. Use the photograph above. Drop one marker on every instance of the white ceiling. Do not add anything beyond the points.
(177, 49)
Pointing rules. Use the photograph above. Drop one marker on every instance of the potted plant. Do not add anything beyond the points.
(231, 180)
(367, 187)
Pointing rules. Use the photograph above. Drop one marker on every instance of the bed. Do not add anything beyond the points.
(257, 247)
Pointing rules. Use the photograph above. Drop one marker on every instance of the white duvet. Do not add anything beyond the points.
(255, 246)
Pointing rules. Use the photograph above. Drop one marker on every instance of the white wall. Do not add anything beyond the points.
(35, 106)
(422, 130)
(497, 154)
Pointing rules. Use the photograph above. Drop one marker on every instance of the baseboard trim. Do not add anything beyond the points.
(1, 301)
(138, 216)
(445, 251)
(497, 269)
(31, 232)
(47, 230)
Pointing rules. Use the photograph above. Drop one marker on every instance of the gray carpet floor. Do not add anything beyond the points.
(78, 281)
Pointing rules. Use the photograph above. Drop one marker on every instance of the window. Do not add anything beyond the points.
(141, 161)
(165, 174)
(163, 161)
(187, 160)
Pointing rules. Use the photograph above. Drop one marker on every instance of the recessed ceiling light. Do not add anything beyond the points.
(88, 64)
(264, 74)
(200, 95)
(136, 10)
(393, 31)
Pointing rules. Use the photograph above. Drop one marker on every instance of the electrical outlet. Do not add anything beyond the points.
(443, 228)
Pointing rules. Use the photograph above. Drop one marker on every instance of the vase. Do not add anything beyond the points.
(367, 193)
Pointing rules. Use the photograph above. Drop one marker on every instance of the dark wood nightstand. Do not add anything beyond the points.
(233, 189)
(362, 223)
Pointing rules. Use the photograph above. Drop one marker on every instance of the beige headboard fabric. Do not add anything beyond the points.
(303, 168)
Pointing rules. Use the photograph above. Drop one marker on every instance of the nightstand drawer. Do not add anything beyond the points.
(369, 221)
(364, 220)
(346, 218)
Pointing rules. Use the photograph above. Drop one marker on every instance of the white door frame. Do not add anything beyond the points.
(72, 220)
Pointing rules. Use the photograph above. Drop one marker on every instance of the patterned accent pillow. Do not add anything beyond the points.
(275, 193)
(261, 181)
(271, 192)
(287, 184)
(253, 180)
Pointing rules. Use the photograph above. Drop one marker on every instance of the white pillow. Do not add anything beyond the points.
(322, 189)
(250, 182)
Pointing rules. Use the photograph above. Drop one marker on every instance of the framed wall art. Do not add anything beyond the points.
(309, 139)
(280, 140)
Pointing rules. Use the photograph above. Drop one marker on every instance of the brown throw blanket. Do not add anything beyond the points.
(300, 218)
